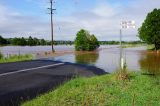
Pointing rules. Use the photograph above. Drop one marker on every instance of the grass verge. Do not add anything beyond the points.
(15, 58)
(132, 45)
(150, 47)
(107, 90)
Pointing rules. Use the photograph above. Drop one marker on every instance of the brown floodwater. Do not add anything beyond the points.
(6, 50)
(106, 58)
(150, 63)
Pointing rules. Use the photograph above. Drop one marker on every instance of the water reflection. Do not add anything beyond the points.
(107, 58)
(150, 63)
(89, 58)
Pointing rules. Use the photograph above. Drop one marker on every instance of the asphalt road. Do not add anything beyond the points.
(21, 81)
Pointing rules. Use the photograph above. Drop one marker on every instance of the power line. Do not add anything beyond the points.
(51, 13)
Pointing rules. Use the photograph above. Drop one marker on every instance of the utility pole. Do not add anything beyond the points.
(51, 13)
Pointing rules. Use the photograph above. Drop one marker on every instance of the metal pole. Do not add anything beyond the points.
(121, 59)
(124, 24)
(120, 38)
(52, 42)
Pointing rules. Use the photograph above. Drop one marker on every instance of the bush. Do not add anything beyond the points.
(85, 42)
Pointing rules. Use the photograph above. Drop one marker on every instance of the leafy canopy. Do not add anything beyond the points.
(150, 29)
(85, 42)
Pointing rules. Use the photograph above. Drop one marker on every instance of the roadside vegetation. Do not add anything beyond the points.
(127, 89)
(15, 58)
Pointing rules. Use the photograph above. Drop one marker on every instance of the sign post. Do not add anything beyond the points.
(124, 25)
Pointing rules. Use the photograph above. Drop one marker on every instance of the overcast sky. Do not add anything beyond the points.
(22, 18)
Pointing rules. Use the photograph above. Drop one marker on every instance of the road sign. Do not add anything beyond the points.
(128, 24)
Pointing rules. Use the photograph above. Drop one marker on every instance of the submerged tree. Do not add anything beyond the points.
(150, 29)
(85, 42)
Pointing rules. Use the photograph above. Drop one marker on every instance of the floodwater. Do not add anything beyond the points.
(106, 58)
(6, 50)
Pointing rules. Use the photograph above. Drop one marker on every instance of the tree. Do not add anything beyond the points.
(85, 42)
(43, 42)
(149, 32)
(19, 41)
(94, 41)
(81, 40)
(22, 41)
(31, 41)
(2, 41)
(36, 41)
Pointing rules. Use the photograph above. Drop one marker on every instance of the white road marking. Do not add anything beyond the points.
(24, 70)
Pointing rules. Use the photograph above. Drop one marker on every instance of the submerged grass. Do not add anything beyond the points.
(15, 58)
(107, 90)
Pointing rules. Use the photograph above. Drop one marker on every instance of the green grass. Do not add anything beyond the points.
(107, 90)
(15, 58)
(132, 45)
(150, 47)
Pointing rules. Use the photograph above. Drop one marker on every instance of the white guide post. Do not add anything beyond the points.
(124, 25)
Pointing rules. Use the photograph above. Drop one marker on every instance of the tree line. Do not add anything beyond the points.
(31, 41)
(149, 32)
(35, 42)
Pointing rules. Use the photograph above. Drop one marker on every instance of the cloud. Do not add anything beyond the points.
(15, 24)
(103, 19)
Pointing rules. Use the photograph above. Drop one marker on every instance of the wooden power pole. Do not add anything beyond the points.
(51, 13)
